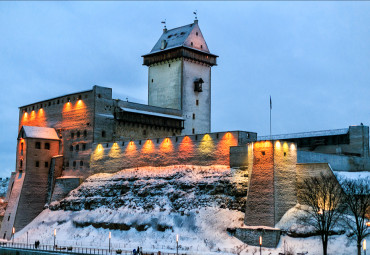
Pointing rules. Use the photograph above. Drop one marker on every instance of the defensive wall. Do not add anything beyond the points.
(337, 162)
(201, 149)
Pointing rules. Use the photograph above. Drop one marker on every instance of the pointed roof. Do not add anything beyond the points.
(185, 36)
(38, 132)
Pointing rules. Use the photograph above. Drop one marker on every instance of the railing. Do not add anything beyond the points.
(73, 249)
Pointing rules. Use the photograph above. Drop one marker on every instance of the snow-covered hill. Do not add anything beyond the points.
(148, 207)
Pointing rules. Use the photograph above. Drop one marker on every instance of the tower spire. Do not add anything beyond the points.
(164, 27)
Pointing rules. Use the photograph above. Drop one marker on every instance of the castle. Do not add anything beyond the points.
(63, 140)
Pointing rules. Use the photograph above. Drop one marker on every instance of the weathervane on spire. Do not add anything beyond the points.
(164, 22)
(196, 13)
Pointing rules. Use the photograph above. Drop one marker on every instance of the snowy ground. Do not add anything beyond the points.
(198, 215)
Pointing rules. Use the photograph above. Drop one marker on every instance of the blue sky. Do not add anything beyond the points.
(313, 58)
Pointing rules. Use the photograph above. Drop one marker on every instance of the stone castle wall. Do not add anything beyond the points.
(272, 184)
(202, 149)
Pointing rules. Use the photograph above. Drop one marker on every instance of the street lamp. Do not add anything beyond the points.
(13, 232)
(110, 236)
(55, 235)
(260, 245)
(177, 244)
(364, 246)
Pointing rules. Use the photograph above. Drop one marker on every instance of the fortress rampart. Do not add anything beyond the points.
(201, 149)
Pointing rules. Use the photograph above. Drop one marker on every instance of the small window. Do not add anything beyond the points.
(22, 148)
(49, 103)
(9, 216)
(77, 147)
(85, 133)
(196, 33)
(144, 132)
(67, 164)
(46, 164)
(107, 145)
(72, 135)
(263, 153)
(284, 154)
(193, 116)
(99, 95)
(38, 145)
(152, 80)
(191, 43)
(81, 163)
(47, 146)
(83, 146)
(201, 46)
(103, 133)
(21, 163)
(58, 101)
(123, 143)
(169, 65)
(37, 163)
(71, 148)
(78, 133)
(74, 163)
(197, 102)
(139, 142)
(193, 131)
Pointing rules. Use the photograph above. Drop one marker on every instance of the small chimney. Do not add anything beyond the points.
(165, 30)
(196, 21)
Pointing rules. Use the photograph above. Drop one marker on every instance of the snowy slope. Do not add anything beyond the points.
(148, 207)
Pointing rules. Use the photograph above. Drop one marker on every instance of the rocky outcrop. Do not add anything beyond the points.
(173, 188)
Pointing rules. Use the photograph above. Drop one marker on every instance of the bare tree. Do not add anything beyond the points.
(357, 201)
(323, 195)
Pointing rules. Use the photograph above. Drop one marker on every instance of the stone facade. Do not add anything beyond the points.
(202, 149)
(272, 187)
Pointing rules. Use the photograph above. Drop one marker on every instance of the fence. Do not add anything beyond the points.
(73, 249)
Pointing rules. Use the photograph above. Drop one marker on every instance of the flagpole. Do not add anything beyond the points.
(270, 118)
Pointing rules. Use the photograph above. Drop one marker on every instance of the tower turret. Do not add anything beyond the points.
(180, 76)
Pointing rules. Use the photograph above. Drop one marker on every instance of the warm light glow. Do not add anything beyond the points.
(206, 145)
(115, 151)
(364, 245)
(80, 104)
(368, 223)
(148, 147)
(262, 144)
(260, 240)
(166, 146)
(131, 149)
(13, 230)
(223, 146)
(278, 144)
(285, 146)
(292, 146)
(186, 147)
(98, 153)
(55, 232)
(177, 238)
(110, 235)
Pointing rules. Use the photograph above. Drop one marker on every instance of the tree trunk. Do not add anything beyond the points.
(325, 246)
(358, 247)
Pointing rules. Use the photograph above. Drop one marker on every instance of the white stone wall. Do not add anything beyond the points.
(202, 122)
(164, 84)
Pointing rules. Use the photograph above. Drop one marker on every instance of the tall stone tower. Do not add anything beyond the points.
(180, 76)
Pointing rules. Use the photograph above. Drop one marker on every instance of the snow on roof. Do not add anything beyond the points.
(352, 175)
(152, 113)
(40, 132)
(332, 132)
